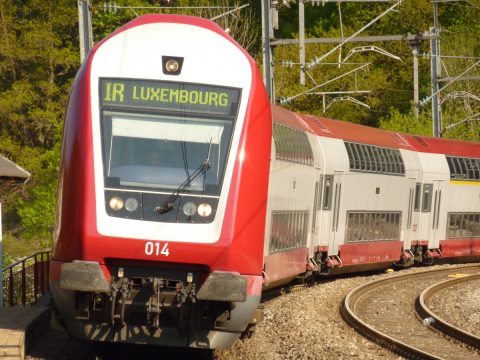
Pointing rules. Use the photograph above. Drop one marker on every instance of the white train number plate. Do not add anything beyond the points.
(156, 249)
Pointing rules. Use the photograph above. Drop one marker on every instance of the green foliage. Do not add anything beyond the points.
(407, 123)
(389, 81)
(15, 249)
(39, 57)
(243, 26)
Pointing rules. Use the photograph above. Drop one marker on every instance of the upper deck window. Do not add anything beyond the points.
(155, 135)
(376, 159)
(463, 168)
(292, 145)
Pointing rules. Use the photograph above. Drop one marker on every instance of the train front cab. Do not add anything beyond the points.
(137, 257)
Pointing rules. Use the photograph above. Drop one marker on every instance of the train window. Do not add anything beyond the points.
(427, 197)
(464, 168)
(388, 161)
(320, 193)
(451, 167)
(376, 157)
(361, 157)
(383, 160)
(139, 148)
(470, 169)
(315, 205)
(402, 164)
(327, 192)
(369, 158)
(292, 145)
(355, 157)
(396, 160)
(383, 226)
(351, 157)
(369, 226)
(451, 225)
(476, 169)
(373, 161)
(391, 161)
(476, 225)
(458, 169)
(463, 225)
(469, 226)
(416, 204)
(365, 158)
(288, 230)
(398, 223)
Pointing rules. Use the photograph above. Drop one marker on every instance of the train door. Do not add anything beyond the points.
(336, 234)
(317, 206)
(412, 219)
(436, 232)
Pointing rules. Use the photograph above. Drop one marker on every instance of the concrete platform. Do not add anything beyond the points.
(18, 326)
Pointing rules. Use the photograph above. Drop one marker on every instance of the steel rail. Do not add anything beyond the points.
(350, 307)
(440, 324)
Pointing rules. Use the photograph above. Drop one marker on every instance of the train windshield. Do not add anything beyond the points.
(164, 150)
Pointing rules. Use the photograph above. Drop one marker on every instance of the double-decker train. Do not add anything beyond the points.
(180, 199)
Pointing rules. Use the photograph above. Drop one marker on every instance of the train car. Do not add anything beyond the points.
(349, 210)
(449, 200)
(163, 188)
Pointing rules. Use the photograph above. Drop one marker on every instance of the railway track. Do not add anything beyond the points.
(385, 311)
(424, 310)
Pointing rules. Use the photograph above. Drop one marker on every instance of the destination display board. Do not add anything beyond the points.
(171, 96)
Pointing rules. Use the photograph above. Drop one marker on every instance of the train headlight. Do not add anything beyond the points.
(172, 66)
(116, 203)
(131, 204)
(204, 210)
(189, 209)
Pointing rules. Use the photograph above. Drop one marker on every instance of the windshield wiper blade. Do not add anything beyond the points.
(202, 169)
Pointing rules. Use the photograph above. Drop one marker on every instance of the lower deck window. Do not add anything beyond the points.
(289, 230)
(364, 226)
(463, 225)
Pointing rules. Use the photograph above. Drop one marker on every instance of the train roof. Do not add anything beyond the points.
(368, 135)
(340, 129)
(172, 18)
(444, 146)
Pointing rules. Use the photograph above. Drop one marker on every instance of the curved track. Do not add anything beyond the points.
(437, 322)
(384, 311)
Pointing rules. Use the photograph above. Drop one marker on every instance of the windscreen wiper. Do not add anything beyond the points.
(202, 169)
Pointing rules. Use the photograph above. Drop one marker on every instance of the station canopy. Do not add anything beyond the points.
(10, 169)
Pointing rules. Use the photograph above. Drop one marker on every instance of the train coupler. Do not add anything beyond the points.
(162, 300)
(119, 289)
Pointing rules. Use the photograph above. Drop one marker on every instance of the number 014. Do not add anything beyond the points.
(156, 248)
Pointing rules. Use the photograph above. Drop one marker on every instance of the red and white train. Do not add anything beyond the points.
(177, 206)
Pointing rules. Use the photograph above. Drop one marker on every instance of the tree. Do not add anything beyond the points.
(39, 58)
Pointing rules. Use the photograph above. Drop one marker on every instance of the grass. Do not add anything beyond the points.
(15, 249)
